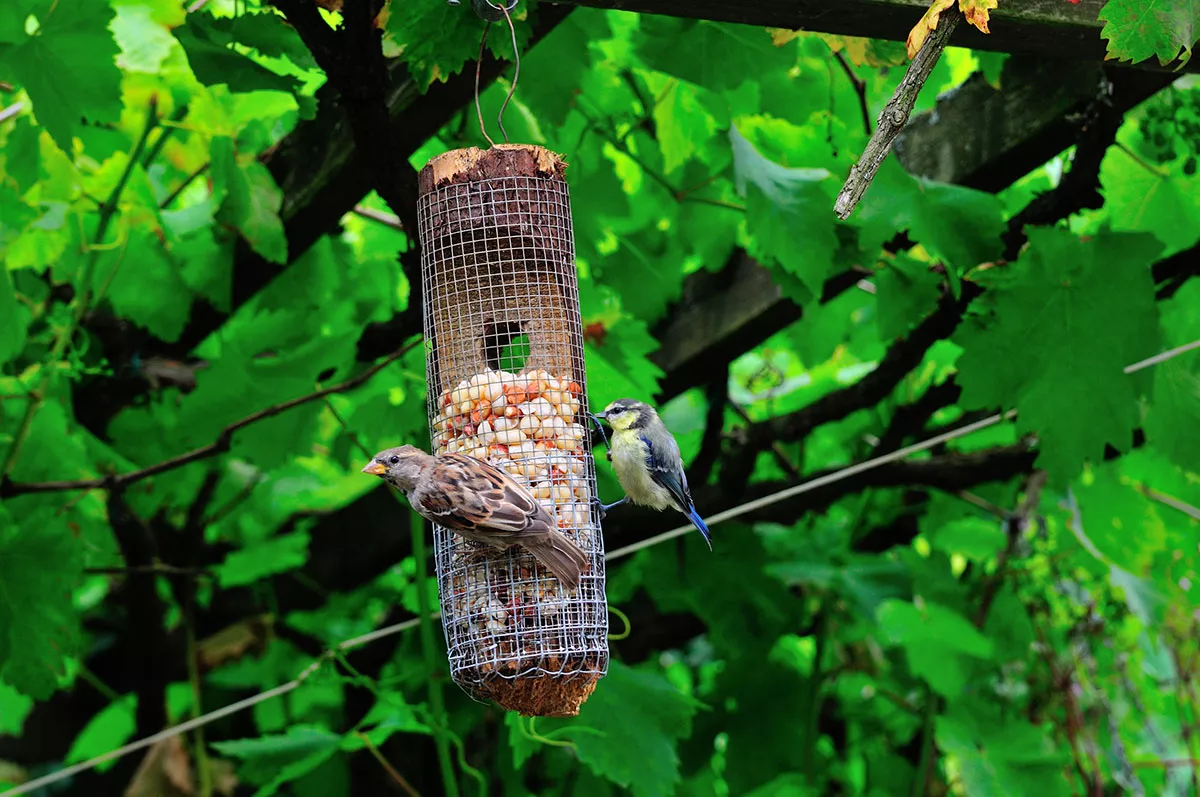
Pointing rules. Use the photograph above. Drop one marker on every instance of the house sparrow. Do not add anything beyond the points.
(481, 503)
(647, 461)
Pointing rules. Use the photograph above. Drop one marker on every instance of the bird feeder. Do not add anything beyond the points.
(504, 346)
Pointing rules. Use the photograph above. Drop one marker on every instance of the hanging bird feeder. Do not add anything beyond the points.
(506, 379)
(506, 383)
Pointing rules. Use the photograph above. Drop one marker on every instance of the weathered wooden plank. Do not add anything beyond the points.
(1051, 28)
(980, 136)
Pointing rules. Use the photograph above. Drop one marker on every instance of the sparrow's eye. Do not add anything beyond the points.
(394, 460)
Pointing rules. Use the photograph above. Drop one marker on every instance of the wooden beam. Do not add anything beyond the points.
(1050, 28)
(983, 137)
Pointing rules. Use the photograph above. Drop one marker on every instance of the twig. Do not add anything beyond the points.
(108, 211)
(780, 455)
(156, 569)
(220, 445)
(10, 112)
(386, 219)
(860, 88)
(383, 762)
(895, 115)
(191, 178)
(1174, 503)
(437, 701)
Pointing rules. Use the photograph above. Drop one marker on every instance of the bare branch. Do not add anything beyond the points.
(219, 446)
(895, 115)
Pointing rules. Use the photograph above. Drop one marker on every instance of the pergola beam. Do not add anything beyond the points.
(1049, 28)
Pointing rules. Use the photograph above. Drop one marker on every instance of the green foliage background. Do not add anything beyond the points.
(962, 625)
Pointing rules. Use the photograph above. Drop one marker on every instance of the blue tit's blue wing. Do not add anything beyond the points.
(666, 469)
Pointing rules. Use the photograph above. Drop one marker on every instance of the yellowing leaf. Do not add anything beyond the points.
(927, 25)
(976, 12)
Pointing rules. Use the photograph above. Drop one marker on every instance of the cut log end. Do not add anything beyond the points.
(503, 160)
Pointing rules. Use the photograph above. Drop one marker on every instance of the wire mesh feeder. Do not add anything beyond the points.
(506, 384)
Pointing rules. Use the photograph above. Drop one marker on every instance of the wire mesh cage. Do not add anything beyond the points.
(505, 369)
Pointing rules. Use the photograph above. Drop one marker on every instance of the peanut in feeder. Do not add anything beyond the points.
(499, 282)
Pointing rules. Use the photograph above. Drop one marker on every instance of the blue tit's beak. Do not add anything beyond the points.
(599, 416)
(375, 468)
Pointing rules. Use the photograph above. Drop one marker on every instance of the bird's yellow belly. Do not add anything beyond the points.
(629, 461)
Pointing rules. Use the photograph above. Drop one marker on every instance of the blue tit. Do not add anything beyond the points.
(647, 461)
(481, 503)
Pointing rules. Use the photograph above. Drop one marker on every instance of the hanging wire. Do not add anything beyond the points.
(312, 668)
(479, 67)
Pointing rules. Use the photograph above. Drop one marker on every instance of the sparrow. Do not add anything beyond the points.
(647, 461)
(481, 503)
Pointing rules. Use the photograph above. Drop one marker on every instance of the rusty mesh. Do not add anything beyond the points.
(506, 381)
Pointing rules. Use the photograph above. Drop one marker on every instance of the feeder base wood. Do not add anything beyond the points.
(503, 160)
(541, 696)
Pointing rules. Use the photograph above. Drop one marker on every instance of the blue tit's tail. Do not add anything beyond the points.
(698, 522)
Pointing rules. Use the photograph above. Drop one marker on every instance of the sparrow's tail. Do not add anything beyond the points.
(698, 522)
(561, 557)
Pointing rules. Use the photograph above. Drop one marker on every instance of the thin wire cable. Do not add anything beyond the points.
(479, 69)
(728, 514)
(512, 89)
(1163, 357)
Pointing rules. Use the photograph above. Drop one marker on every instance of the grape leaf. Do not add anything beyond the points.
(250, 200)
(145, 285)
(997, 756)
(786, 213)
(272, 761)
(21, 154)
(262, 559)
(108, 728)
(1138, 29)
(68, 67)
(214, 63)
(938, 642)
(144, 33)
(636, 717)
(1137, 198)
(13, 320)
(1049, 345)
(906, 289)
(715, 55)
(40, 563)
(926, 25)
(1126, 528)
(960, 225)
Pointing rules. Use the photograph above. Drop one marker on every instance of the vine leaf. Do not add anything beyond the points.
(785, 213)
(1050, 346)
(40, 563)
(68, 66)
(1138, 29)
(250, 200)
(974, 11)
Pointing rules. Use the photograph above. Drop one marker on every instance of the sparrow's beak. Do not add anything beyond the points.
(375, 468)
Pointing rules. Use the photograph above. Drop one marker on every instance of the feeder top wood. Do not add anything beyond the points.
(503, 160)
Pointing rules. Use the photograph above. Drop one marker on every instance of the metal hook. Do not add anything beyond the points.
(503, 11)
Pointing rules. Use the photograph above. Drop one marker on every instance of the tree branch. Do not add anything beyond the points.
(219, 446)
(895, 115)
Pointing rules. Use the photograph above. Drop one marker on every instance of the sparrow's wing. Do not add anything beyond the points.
(467, 493)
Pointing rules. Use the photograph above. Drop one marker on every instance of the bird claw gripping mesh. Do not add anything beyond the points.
(506, 384)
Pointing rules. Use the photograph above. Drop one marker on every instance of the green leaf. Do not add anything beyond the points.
(143, 30)
(906, 290)
(787, 213)
(937, 642)
(618, 363)
(13, 320)
(635, 718)
(40, 563)
(274, 760)
(1122, 524)
(14, 708)
(1172, 422)
(68, 67)
(1067, 381)
(146, 285)
(250, 200)
(215, 63)
(21, 153)
(262, 559)
(959, 225)
(683, 124)
(107, 729)
(1138, 198)
(998, 757)
(715, 55)
(975, 538)
(1139, 29)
